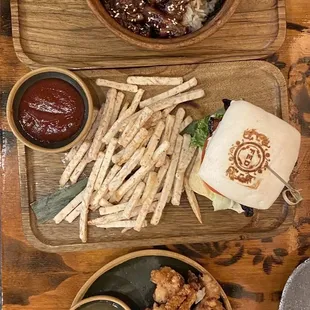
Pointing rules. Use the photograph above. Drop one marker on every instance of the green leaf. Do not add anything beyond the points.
(190, 129)
(199, 130)
(46, 208)
(219, 113)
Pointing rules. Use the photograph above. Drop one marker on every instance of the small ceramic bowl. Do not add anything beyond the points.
(97, 302)
(221, 16)
(27, 81)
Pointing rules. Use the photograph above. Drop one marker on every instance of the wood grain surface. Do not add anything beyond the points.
(66, 33)
(252, 272)
(255, 81)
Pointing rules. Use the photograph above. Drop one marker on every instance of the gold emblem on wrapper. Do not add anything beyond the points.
(249, 158)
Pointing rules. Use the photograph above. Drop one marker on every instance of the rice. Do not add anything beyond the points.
(197, 12)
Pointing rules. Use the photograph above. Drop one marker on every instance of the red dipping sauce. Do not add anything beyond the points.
(51, 110)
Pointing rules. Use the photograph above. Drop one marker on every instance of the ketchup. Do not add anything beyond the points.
(51, 110)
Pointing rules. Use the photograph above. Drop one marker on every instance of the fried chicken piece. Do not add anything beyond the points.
(158, 307)
(210, 304)
(169, 283)
(197, 285)
(193, 281)
(176, 301)
(189, 301)
(212, 288)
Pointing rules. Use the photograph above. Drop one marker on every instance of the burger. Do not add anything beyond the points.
(240, 148)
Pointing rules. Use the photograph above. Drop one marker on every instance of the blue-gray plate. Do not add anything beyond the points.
(296, 293)
(128, 277)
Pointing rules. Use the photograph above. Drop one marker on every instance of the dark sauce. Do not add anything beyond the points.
(101, 305)
(150, 18)
(51, 110)
(248, 212)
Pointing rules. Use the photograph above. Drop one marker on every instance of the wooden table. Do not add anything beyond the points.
(253, 273)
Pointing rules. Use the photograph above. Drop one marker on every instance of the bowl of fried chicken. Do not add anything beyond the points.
(156, 279)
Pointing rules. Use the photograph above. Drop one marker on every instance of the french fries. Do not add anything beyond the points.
(104, 203)
(133, 180)
(127, 136)
(133, 201)
(189, 192)
(119, 216)
(79, 169)
(121, 224)
(128, 195)
(174, 101)
(152, 187)
(104, 124)
(141, 162)
(124, 117)
(112, 209)
(160, 150)
(187, 153)
(166, 137)
(68, 208)
(87, 196)
(116, 85)
(154, 180)
(117, 107)
(153, 143)
(176, 130)
(171, 92)
(83, 223)
(168, 182)
(105, 163)
(104, 187)
(124, 155)
(123, 110)
(186, 122)
(154, 80)
(153, 120)
(73, 163)
(140, 173)
(126, 170)
(74, 214)
(167, 111)
(96, 117)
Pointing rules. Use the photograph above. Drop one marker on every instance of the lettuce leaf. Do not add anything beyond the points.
(201, 133)
(199, 130)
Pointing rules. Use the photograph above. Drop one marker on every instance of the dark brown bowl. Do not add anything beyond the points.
(211, 26)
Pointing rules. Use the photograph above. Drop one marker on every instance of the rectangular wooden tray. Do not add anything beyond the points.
(67, 34)
(256, 81)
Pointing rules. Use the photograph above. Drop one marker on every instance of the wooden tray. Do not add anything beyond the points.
(256, 81)
(67, 34)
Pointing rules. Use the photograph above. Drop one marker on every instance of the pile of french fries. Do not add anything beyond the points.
(141, 162)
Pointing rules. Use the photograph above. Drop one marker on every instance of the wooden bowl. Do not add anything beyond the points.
(117, 304)
(164, 44)
(128, 277)
(28, 80)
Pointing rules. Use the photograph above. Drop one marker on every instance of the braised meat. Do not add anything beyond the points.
(149, 18)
